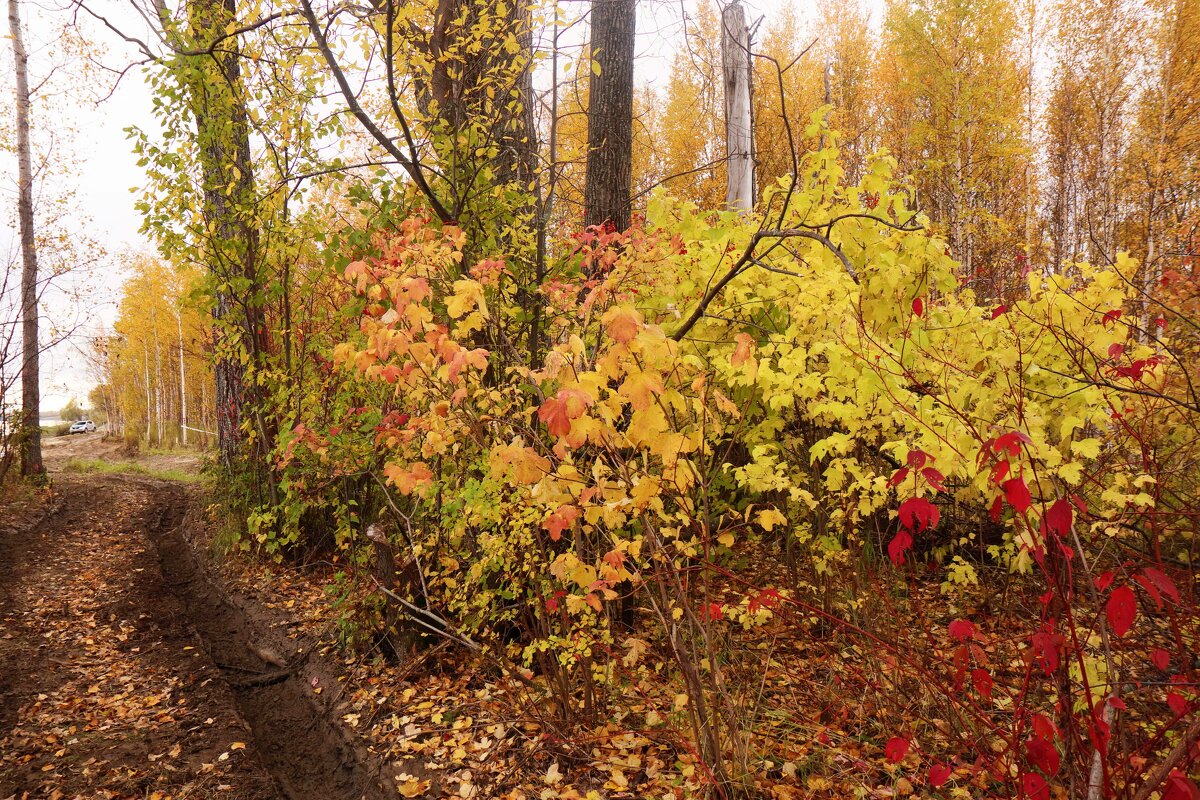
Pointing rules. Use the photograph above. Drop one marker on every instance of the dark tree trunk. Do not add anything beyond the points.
(227, 177)
(31, 432)
(610, 115)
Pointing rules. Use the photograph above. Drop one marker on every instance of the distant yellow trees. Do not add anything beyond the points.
(1035, 133)
(158, 376)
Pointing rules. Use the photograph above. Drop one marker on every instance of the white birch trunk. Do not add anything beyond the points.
(183, 420)
(735, 61)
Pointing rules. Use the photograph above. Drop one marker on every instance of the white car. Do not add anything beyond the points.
(83, 426)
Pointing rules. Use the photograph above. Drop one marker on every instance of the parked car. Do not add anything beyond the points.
(83, 426)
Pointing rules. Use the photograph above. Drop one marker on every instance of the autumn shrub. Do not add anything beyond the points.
(715, 386)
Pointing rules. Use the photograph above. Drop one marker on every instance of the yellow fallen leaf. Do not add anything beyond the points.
(238, 746)
(413, 788)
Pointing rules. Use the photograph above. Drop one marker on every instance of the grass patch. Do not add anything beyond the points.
(99, 466)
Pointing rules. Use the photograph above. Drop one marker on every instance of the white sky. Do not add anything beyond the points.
(106, 178)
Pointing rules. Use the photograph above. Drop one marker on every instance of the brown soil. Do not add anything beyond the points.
(125, 671)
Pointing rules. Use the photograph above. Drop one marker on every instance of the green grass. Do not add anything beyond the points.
(96, 465)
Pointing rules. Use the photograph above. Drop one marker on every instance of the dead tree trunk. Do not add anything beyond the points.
(739, 137)
(610, 115)
(31, 432)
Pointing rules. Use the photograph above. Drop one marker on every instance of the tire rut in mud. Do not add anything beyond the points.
(305, 752)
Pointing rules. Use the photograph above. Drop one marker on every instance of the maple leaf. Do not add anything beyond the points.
(622, 323)
(554, 414)
(408, 479)
(639, 388)
(467, 295)
(769, 518)
(561, 519)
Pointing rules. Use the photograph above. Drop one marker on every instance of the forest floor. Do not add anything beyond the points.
(126, 669)
(141, 657)
(136, 662)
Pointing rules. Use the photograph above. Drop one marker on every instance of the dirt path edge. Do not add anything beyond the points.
(299, 736)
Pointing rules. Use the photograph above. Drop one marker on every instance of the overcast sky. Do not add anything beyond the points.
(106, 178)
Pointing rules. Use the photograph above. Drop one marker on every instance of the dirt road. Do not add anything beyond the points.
(126, 671)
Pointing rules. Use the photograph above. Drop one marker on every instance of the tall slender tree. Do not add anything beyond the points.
(31, 446)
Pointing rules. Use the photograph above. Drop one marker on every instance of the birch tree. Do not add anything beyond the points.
(31, 436)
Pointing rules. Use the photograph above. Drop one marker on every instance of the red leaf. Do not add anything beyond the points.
(1164, 583)
(962, 629)
(1010, 442)
(1161, 659)
(1060, 516)
(1121, 609)
(1044, 727)
(1017, 494)
(1035, 786)
(1000, 472)
(1180, 787)
(997, 509)
(1118, 704)
(898, 546)
(917, 458)
(1151, 590)
(918, 306)
(560, 520)
(938, 775)
(1177, 703)
(1104, 580)
(1111, 317)
(898, 477)
(1043, 755)
(1045, 644)
(998, 310)
(981, 679)
(934, 478)
(553, 412)
(917, 513)
(767, 598)
(895, 749)
(1115, 349)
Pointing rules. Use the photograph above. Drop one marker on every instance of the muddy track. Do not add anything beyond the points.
(309, 757)
(126, 670)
